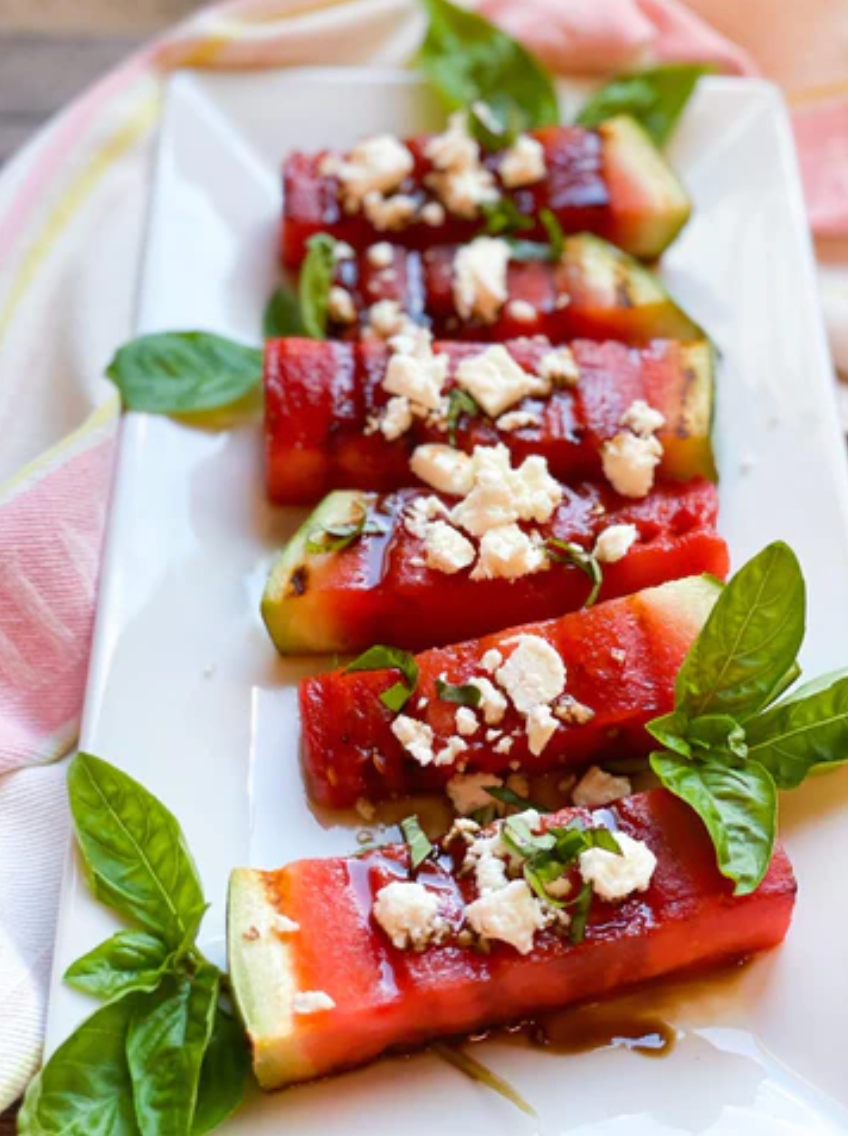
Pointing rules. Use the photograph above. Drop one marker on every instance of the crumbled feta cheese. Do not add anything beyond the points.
(572, 712)
(421, 512)
(480, 278)
(505, 745)
(417, 377)
(494, 380)
(468, 791)
(501, 494)
(491, 660)
(642, 419)
(493, 735)
(597, 788)
(366, 809)
(380, 255)
(444, 468)
(492, 704)
(533, 675)
(614, 543)
(389, 213)
(629, 463)
(375, 165)
(467, 722)
(387, 318)
(558, 889)
(541, 726)
(446, 549)
(464, 191)
(455, 148)
(517, 420)
(312, 1002)
(615, 877)
(455, 746)
(508, 553)
(560, 367)
(510, 914)
(408, 913)
(433, 213)
(523, 163)
(340, 305)
(521, 311)
(342, 251)
(396, 418)
(415, 737)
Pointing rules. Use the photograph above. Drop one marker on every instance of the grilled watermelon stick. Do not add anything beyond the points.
(536, 697)
(440, 189)
(366, 568)
(333, 962)
(491, 290)
(342, 416)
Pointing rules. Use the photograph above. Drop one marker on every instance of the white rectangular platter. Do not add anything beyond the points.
(186, 692)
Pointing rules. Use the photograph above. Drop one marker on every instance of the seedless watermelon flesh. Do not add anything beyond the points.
(621, 660)
(306, 934)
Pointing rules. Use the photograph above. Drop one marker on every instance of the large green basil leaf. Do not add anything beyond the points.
(282, 315)
(166, 1045)
(468, 59)
(178, 372)
(656, 98)
(750, 640)
(85, 1088)
(738, 805)
(130, 960)
(805, 731)
(223, 1074)
(133, 850)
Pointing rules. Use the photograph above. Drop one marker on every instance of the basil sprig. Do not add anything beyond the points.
(468, 60)
(463, 694)
(728, 744)
(380, 658)
(165, 1054)
(567, 552)
(656, 98)
(304, 312)
(420, 848)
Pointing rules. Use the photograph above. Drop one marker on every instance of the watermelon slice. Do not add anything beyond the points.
(321, 987)
(612, 181)
(320, 398)
(379, 587)
(621, 659)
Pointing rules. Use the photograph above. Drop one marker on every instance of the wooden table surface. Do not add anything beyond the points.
(50, 51)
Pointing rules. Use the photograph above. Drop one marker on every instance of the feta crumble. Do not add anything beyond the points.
(523, 163)
(491, 660)
(521, 311)
(629, 463)
(614, 543)
(408, 913)
(418, 377)
(642, 418)
(508, 553)
(416, 738)
(517, 420)
(533, 675)
(433, 213)
(312, 1002)
(560, 367)
(421, 512)
(597, 788)
(387, 318)
(467, 722)
(389, 213)
(468, 791)
(494, 380)
(380, 255)
(375, 165)
(615, 877)
(541, 727)
(459, 178)
(492, 704)
(340, 305)
(480, 278)
(444, 468)
(396, 418)
(446, 549)
(500, 494)
(510, 914)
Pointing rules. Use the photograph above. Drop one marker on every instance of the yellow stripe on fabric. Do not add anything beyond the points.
(818, 94)
(205, 51)
(97, 419)
(137, 124)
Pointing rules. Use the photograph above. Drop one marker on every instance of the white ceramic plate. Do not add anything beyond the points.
(187, 694)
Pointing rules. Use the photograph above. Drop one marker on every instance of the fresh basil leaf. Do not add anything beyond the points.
(670, 731)
(222, 1075)
(536, 880)
(166, 1044)
(556, 237)
(467, 59)
(510, 797)
(580, 915)
(85, 1088)
(316, 276)
(133, 850)
(503, 217)
(282, 315)
(567, 552)
(459, 402)
(602, 838)
(337, 537)
(738, 805)
(516, 834)
(494, 130)
(178, 372)
(806, 731)
(380, 658)
(718, 733)
(420, 848)
(130, 960)
(750, 640)
(465, 695)
(655, 97)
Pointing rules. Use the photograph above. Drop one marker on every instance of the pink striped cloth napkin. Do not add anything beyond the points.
(72, 205)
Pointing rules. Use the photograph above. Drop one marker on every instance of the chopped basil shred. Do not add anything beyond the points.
(556, 237)
(380, 658)
(504, 218)
(459, 402)
(465, 695)
(567, 552)
(509, 797)
(338, 536)
(420, 848)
